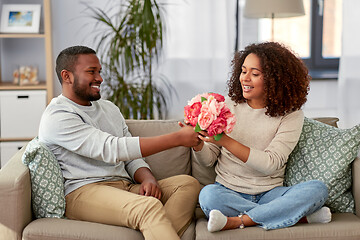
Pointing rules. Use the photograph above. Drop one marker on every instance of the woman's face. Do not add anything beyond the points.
(252, 82)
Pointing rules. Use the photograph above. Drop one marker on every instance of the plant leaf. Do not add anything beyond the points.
(197, 128)
(129, 43)
(217, 137)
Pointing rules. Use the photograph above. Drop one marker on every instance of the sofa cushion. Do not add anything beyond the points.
(344, 226)
(60, 229)
(332, 121)
(47, 183)
(325, 153)
(15, 197)
(167, 163)
(205, 175)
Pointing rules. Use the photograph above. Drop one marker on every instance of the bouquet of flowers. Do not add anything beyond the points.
(209, 112)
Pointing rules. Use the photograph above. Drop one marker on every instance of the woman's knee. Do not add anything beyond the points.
(323, 188)
(318, 188)
(208, 196)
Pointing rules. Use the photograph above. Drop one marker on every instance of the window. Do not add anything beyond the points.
(316, 37)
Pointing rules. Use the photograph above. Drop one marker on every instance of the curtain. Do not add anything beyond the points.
(199, 46)
(349, 76)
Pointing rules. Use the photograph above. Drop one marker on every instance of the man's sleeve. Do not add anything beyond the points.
(133, 165)
(67, 129)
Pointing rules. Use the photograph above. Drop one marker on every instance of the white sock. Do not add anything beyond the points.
(217, 221)
(323, 215)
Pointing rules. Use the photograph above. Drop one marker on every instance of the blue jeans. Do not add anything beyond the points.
(278, 208)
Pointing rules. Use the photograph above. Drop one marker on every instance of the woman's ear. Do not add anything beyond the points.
(66, 76)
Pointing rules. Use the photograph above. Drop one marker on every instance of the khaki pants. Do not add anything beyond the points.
(119, 203)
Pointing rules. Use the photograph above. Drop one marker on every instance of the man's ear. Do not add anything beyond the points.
(67, 76)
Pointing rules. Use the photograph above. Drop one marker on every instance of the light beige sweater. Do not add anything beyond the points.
(270, 139)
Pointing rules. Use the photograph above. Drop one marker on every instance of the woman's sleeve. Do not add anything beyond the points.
(208, 154)
(275, 156)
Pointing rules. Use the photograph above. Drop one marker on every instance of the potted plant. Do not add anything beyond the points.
(129, 46)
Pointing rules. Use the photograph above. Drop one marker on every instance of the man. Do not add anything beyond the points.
(106, 179)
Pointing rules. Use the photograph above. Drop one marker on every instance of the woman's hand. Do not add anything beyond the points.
(204, 136)
(239, 150)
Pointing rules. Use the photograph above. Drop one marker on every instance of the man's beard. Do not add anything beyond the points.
(83, 94)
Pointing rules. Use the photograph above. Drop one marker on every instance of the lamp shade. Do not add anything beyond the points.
(273, 8)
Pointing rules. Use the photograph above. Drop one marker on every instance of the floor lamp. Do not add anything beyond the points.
(273, 9)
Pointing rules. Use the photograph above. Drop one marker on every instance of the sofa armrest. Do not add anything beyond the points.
(356, 184)
(15, 198)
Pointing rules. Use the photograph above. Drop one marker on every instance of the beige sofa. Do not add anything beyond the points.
(17, 222)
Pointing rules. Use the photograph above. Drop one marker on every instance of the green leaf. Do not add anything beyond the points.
(217, 137)
(203, 99)
(129, 43)
(197, 128)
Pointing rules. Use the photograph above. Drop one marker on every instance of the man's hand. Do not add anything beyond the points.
(149, 186)
(188, 136)
(185, 137)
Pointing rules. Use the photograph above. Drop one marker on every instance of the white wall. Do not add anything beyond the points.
(70, 27)
(322, 99)
(194, 76)
(349, 77)
(207, 71)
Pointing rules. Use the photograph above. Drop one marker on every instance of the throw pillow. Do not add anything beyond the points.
(325, 153)
(47, 183)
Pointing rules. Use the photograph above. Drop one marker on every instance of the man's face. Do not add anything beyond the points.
(87, 79)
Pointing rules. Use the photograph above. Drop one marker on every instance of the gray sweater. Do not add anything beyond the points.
(270, 139)
(91, 143)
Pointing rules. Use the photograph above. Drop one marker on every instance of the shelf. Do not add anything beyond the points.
(15, 139)
(22, 35)
(11, 86)
(45, 35)
(22, 105)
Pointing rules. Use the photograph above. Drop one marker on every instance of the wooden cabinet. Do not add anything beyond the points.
(8, 149)
(26, 101)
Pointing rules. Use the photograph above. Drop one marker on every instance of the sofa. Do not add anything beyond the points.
(17, 220)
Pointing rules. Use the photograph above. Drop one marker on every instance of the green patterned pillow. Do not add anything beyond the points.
(325, 153)
(47, 183)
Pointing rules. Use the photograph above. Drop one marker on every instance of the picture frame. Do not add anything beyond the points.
(20, 18)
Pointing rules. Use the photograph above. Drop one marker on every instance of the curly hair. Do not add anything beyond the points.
(286, 78)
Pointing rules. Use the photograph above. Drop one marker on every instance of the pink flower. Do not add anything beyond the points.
(191, 113)
(205, 117)
(230, 124)
(218, 97)
(230, 119)
(214, 106)
(217, 126)
(210, 112)
(197, 98)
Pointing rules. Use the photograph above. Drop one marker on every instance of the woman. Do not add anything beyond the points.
(268, 87)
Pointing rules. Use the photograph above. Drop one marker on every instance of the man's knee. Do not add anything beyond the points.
(187, 183)
(191, 182)
(151, 207)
